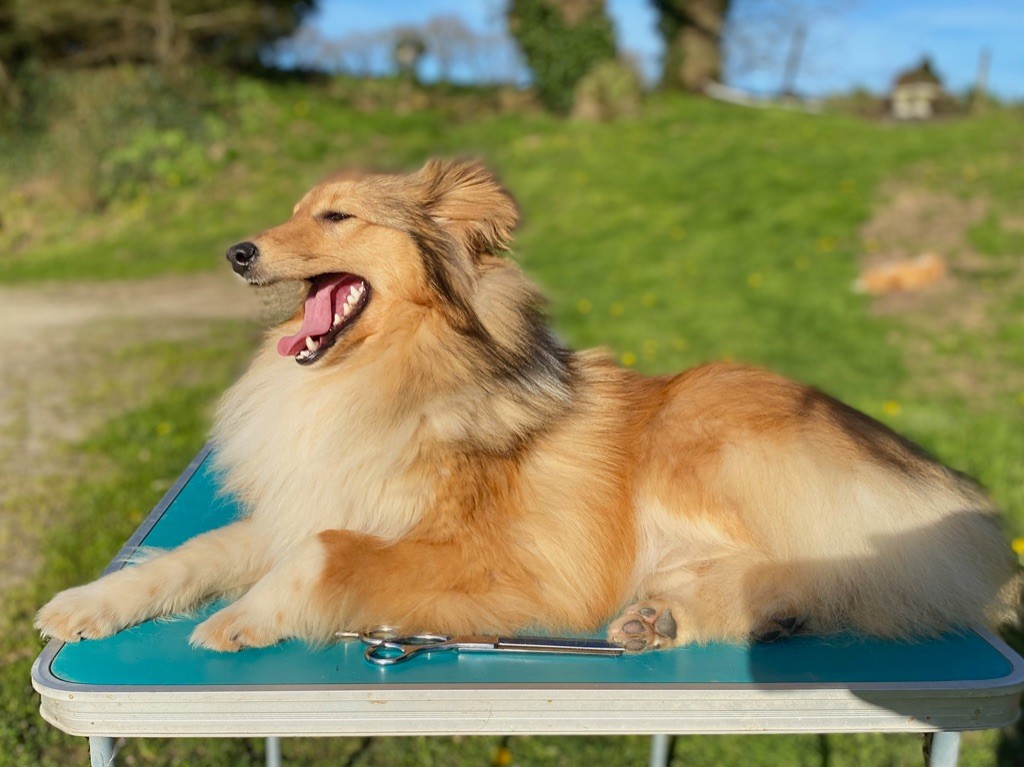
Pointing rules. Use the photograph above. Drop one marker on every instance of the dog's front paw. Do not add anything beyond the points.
(233, 628)
(648, 625)
(84, 612)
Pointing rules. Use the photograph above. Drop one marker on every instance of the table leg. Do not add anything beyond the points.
(659, 750)
(102, 751)
(273, 752)
(941, 749)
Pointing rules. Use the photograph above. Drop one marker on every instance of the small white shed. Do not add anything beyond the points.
(916, 93)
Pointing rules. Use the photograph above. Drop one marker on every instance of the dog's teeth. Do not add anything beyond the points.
(311, 344)
(337, 319)
(346, 309)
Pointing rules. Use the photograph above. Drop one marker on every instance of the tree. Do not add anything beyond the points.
(448, 41)
(407, 52)
(561, 41)
(166, 33)
(692, 30)
(770, 36)
(11, 52)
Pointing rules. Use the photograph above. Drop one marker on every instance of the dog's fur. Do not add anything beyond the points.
(448, 466)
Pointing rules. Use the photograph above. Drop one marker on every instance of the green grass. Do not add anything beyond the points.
(697, 231)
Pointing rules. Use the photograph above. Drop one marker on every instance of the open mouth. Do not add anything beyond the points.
(333, 303)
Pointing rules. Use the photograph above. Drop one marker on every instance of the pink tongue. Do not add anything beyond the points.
(319, 313)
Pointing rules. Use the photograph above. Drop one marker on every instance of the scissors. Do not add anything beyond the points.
(385, 647)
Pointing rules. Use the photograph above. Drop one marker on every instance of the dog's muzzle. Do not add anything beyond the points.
(242, 255)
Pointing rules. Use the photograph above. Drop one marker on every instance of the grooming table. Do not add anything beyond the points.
(147, 682)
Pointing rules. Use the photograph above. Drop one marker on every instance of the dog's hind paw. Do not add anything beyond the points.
(779, 627)
(648, 625)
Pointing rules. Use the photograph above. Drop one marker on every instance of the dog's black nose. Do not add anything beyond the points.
(242, 255)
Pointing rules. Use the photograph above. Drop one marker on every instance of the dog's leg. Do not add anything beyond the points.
(278, 606)
(345, 580)
(734, 598)
(220, 560)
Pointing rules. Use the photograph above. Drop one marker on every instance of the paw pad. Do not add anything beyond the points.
(644, 627)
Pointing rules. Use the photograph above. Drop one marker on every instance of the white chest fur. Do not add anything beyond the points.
(309, 450)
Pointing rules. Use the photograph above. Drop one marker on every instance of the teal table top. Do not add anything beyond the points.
(156, 654)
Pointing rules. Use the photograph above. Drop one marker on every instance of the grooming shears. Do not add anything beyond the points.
(385, 648)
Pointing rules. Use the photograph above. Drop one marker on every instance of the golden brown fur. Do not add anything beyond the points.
(447, 466)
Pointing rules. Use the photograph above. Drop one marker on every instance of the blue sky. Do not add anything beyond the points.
(858, 42)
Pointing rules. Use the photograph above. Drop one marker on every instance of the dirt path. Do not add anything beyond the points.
(57, 384)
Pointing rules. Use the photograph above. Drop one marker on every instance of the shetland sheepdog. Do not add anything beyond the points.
(415, 449)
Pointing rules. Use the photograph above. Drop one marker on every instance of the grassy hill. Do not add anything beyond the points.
(697, 231)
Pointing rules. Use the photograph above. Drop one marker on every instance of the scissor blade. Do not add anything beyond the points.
(558, 645)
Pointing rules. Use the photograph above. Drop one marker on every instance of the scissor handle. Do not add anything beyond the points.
(386, 649)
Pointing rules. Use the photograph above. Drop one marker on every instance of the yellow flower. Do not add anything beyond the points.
(677, 233)
(164, 428)
(755, 279)
(1018, 545)
(1020, 398)
(803, 263)
(617, 309)
(301, 108)
(139, 208)
(970, 172)
(891, 407)
(628, 359)
(679, 344)
(826, 244)
(649, 299)
(580, 177)
(584, 306)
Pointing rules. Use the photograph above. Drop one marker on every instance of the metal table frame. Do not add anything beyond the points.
(941, 750)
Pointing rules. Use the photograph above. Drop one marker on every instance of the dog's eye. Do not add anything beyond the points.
(334, 216)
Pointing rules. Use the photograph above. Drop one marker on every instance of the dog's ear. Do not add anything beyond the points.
(466, 199)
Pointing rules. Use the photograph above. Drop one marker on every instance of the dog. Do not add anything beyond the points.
(415, 449)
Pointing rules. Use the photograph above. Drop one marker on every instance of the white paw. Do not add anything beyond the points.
(235, 627)
(84, 612)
